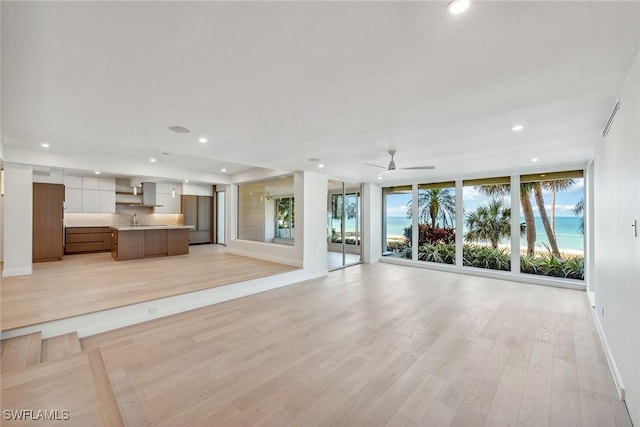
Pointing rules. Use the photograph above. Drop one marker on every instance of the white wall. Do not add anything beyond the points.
(52, 176)
(371, 223)
(17, 218)
(617, 251)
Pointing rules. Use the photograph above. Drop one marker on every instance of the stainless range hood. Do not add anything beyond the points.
(149, 195)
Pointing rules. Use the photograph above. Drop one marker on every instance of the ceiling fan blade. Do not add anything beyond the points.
(418, 168)
(376, 166)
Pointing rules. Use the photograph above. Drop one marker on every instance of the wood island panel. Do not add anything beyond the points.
(148, 243)
(178, 242)
(129, 245)
(155, 243)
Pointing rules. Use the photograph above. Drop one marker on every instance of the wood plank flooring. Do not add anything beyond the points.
(371, 345)
(87, 283)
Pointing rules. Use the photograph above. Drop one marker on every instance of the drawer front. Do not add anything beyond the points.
(85, 230)
(71, 248)
(86, 237)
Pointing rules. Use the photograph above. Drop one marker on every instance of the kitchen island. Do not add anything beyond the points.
(145, 241)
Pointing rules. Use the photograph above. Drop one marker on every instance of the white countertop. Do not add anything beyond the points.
(151, 227)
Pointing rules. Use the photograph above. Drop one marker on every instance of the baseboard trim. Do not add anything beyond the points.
(11, 272)
(617, 379)
(264, 257)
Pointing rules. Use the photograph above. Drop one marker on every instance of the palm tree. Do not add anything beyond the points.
(435, 204)
(491, 222)
(503, 190)
(578, 210)
(537, 191)
(555, 186)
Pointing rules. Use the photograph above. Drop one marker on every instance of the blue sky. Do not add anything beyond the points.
(565, 201)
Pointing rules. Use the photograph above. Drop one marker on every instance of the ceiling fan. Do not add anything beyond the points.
(392, 165)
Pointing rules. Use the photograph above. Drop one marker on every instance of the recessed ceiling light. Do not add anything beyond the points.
(379, 177)
(456, 7)
(202, 140)
(535, 159)
(97, 172)
(45, 145)
(320, 165)
(152, 160)
(180, 129)
(223, 170)
(517, 128)
(186, 180)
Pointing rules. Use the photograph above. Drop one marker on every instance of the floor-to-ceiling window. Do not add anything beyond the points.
(482, 220)
(344, 225)
(437, 222)
(396, 233)
(552, 209)
(487, 223)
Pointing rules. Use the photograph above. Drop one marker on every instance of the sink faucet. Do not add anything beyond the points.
(135, 219)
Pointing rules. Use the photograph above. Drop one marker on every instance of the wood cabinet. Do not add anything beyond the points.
(127, 244)
(198, 212)
(87, 239)
(134, 244)
(48, 213)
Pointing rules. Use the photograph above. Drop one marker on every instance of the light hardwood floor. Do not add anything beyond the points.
(82, 284)
(370, 345)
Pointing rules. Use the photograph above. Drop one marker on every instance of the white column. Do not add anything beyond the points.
(314, 222)
(371, 223)
(17, 219)
(515, 223)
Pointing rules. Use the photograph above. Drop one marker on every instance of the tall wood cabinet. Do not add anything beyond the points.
(48, 227)
(199, 212)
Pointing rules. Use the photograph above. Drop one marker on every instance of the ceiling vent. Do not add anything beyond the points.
(612, 117)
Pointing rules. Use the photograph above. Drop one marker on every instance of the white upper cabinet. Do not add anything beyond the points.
(72, 181)
(85, 194)
(168, 196)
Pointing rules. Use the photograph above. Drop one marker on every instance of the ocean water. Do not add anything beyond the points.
(568, 233)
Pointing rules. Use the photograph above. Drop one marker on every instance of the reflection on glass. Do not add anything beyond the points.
(266, 211)
(343, 224)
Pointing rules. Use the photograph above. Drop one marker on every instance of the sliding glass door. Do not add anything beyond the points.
(344, 224)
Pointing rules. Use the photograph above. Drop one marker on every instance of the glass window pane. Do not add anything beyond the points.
(436, 222)
(487, 223)
(552, 207)
(397, 221)
(266, 211)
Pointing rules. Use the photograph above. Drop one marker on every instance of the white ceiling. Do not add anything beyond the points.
(275, 84)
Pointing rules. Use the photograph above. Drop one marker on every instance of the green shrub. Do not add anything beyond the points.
(486, 257)
(571, 267)
(443, 254)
